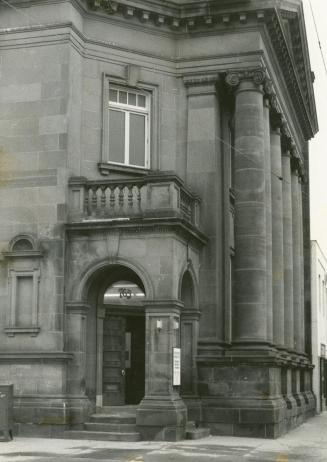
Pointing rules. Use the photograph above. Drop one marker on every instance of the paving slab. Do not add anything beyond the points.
(307, 443)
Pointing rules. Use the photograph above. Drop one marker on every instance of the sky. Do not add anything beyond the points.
(318, 158)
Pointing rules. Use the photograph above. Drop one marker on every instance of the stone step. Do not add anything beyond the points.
(113, 418)
(110, 427)
(101, 436)
(197, 433)
(115, 410)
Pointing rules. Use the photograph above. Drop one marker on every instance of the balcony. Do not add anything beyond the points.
(148, 199)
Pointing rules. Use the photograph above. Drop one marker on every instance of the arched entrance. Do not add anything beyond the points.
(189, 336)
(120, 338)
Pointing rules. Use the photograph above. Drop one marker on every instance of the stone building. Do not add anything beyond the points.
(319, 323)
(154, 203)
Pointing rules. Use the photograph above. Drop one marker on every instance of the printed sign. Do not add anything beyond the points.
(176, 366)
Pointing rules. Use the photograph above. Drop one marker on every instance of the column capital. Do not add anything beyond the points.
(296, 166)
(277, 117)
(256, 76)
(276, 121)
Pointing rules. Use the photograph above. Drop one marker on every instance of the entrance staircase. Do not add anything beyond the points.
(116, 423)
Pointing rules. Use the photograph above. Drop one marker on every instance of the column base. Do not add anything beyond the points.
(246, 399)
(162, 418)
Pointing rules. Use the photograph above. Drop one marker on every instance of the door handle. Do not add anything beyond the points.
(123, 372)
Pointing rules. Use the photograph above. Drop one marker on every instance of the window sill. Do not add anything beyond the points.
(107, 168)
(12, 331)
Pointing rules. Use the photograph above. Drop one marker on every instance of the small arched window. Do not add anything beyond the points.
(187, 290)
(22, 244)
(122, 292)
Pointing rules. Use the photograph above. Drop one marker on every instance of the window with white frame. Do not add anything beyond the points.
(128, 127)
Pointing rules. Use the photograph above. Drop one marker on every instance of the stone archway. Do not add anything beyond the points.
(189, 343)
(86, 315)
(189, 335)
(162, 413)
(120, 338)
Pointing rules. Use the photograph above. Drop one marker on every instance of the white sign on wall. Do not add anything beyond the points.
(176, 366)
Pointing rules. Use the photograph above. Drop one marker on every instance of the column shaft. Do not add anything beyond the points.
(296, 232)
(302, 331)
(268, 223)
(288, 252)
(277, 239)
(250, 315)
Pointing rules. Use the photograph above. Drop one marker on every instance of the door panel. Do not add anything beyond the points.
(114, 360)
(135, 369)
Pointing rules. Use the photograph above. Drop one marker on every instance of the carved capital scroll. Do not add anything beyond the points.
(257, 76)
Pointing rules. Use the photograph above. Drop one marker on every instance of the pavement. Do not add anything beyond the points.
(307, 443)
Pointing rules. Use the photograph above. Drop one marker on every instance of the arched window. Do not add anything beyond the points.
(22, 244)
(123, 291)
(187, 290)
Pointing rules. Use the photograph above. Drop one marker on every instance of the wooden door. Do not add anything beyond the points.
(135, 369)
(114, 360)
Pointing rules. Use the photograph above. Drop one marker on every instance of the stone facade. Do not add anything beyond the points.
(210, 221)
(319, 323)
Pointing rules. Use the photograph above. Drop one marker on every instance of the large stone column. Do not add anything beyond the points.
(269, 296)
(277, 238)
(250, 314)
(302, 328)
(288, 251)
(162, 413)
(296, 233)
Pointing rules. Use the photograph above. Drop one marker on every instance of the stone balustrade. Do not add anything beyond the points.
(151, 196)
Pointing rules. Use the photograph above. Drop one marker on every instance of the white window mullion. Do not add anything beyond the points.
(127, 138)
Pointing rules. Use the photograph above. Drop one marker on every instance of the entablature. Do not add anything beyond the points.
(284, 22)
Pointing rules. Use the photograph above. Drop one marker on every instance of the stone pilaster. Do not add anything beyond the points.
(162, 414)
(76, 315)
(288, 251)
(204, 176)
(250, 313)
(76, 319)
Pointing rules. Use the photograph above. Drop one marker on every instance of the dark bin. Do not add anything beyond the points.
(6, 412)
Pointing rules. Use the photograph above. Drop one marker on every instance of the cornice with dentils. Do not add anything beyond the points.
(192, 17)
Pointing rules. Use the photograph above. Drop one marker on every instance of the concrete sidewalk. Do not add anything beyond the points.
(307, 443)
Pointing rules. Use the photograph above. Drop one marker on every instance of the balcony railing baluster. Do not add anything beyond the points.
(151, 196)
